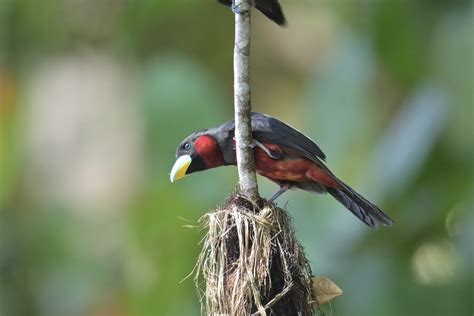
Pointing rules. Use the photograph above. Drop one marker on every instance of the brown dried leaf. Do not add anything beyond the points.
(324, 290)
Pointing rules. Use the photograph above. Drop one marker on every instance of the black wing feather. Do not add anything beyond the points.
(268, 129)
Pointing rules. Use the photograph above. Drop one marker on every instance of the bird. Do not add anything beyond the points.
(270, 8)
(282, 154)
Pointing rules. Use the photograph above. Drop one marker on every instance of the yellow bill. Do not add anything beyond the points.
(180, 166)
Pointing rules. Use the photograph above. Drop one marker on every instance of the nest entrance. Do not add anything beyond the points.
(251, 262)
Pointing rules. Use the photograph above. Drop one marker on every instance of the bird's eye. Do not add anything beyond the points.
(187, 146)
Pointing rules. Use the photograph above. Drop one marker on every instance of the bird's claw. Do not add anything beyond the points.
(234, 8)
(237, 8)
(282, 190)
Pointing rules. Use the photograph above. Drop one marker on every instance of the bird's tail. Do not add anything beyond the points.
(272, 10)
(367, 212)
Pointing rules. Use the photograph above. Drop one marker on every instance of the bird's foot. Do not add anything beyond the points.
(238, 6)
(280, 191)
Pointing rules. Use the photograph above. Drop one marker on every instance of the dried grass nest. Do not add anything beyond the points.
(251, 262)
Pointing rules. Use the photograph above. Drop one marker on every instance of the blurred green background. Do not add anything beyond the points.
(95, 95)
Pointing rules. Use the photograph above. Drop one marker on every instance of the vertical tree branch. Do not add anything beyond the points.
(251, 262)
(242, 107)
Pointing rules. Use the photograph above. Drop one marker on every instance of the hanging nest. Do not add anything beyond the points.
(251, 262)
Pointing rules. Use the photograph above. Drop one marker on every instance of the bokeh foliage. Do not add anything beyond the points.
(95, 96)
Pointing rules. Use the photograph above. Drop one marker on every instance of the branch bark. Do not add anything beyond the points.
(242, 106)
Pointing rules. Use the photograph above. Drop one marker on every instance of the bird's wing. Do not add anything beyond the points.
(268, 129)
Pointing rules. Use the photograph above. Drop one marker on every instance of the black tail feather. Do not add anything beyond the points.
(270, 8)
(367, 212)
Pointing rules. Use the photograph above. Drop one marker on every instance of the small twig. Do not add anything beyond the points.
(277, 297)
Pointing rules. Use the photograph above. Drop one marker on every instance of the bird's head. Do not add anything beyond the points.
(199, 151)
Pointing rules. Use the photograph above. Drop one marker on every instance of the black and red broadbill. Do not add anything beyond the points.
(270, 8)
(282, 154)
